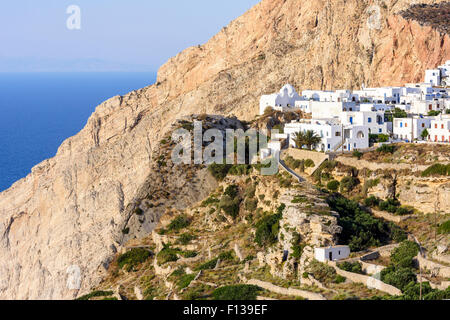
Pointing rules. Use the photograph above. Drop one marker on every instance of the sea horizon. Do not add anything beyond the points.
(40, 110)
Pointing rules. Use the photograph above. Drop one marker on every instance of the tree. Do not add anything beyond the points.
(299, 139)
(425, 134)
(312, 139)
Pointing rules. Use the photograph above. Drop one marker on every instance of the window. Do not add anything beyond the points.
(369, 120)
(401, 124)
(380, 130)
(423, 125)
(406, 125)
(435, 126)
(442, 126)
(351, 120)
(338, 134)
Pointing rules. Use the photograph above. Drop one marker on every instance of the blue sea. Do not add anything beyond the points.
(38, 111)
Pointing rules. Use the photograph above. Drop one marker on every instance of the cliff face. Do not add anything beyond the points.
(71, 209)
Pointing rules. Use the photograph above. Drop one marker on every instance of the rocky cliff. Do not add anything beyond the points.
(71, 209)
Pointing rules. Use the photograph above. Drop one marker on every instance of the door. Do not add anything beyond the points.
(330, 256)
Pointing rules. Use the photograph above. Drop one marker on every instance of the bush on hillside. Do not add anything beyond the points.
(179, 223)
(387, 148)
(240, 292)
(361, 230)
(133, 258)
(354, 267)
(444, 228)
(333, 185)
(437, 170)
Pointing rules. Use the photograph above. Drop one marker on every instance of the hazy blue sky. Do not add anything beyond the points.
(114, 33)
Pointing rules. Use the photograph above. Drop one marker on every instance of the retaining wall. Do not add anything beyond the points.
(370, 282)
(286, 291)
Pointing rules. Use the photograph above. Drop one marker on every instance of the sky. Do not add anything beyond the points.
(115, 35)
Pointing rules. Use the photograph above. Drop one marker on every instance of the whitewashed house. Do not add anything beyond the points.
(439, 76)
(425, 106)
(335, 253)
(376, 107)
(385, 95)
(440, 129)
(329, 96)
(433, 77)
(373, 120)
(282, 101)
(334, 135)
(411, 129)
(325, 110)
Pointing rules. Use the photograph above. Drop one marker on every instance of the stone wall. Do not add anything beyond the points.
(434, 267)
(373, 166)
(317, 157)
(370, 282)
(286, 291)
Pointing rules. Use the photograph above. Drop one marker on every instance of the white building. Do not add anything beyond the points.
(411, 129)
(385, 95)
(282, 101)
(433, 77)
(440, 76)
(425, 106)
(329, 96)
(334, 135)
(373, 120)
(332, 253)
(440, 129)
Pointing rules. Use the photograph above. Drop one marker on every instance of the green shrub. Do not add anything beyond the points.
(211, 264)
(133, 258)
(333, 185)
(189, 254)
(240, 292)
(267, 228)
(358, 154)
(354, 267)
(403, 255)
(240, 170)
(322, 272)
(361, 230)
(437, 170)
(309, 163)
(167, 254)
(403, 211)
(179, 223)
(95, 294)
(398, 277)
(444, 228)
(186, 238)
(387, 148)
(232, 191)
(300, 199)
(219, 171)
(372, 202)
(226, 256)
(349, 183)
(185, 281)
(209, 201)
(230, 206)
(340, 279)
